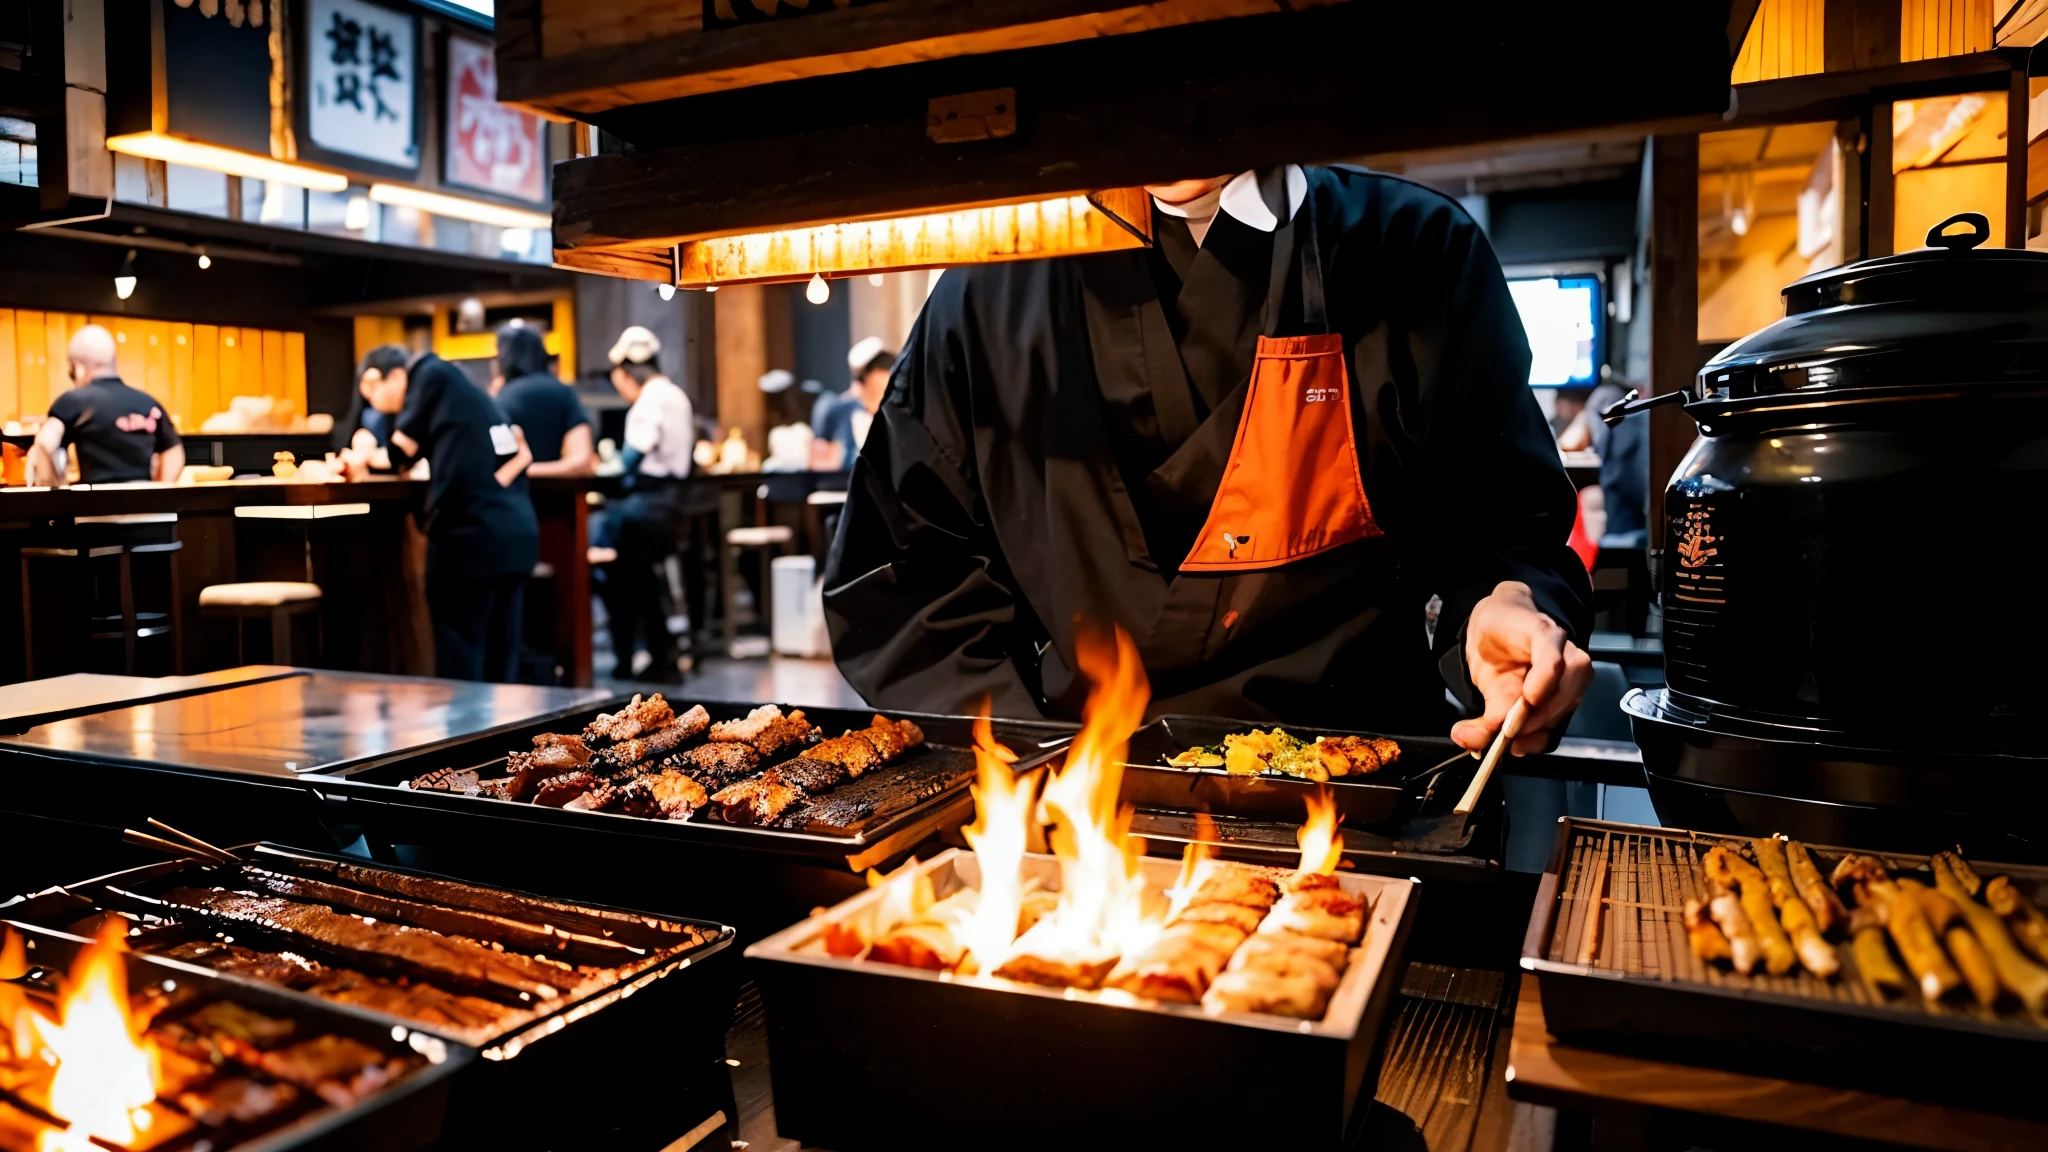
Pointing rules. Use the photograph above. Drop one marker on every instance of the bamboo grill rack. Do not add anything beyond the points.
(1640, 879)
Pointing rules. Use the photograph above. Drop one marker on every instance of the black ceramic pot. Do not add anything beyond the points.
(1856, 546)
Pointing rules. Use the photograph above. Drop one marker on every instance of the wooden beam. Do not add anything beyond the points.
(1850, 138)
(655, 262)
(2016, 102)
(1861, 34)
(633, 69)
(741, 331)
(1304, 87)
(1674, 306)
(1880, 186)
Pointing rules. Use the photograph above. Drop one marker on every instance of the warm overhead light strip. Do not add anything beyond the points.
(458, 207)
(214, 158)
(1059, 226)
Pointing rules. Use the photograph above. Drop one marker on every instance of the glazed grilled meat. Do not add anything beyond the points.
(758, 800)
(880, 742)
(636, 719)
(557, 791)
(668, 795)
(766, 730)
(551, 750)
(458, 780)
(629, 758)
(714, 765)
(813, 776)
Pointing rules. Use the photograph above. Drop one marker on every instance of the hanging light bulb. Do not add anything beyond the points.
(711, 287)
(876, 279)
(205, 261)
(665, 291)
(124, 280)
(818, 291)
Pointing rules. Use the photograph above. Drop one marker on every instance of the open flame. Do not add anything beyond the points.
(1192, 858)
(106, 1074)
(1321, 848)
(1003, 805)
(1101, 909)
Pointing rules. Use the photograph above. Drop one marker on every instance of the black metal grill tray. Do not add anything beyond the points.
(1388, 796)
(409, 1114)
(1638, 987)
(658, 1028)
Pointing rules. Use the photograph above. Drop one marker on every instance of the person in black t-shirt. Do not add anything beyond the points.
(482, 538)
(556, 426)
(120, 433)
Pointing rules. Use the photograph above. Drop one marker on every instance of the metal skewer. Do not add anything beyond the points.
(1510, 727)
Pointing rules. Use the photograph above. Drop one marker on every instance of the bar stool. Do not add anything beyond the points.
(278, 601)
(97, 539)
(737, 540)
(821, 519)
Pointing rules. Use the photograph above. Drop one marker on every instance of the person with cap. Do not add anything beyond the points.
(842, 421)
(660, 435)
(542, 406)
(1260, 444)
(120, 433)
(482, 537)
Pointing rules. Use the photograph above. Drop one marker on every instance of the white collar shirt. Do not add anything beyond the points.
(1240, 199)
(661, 426)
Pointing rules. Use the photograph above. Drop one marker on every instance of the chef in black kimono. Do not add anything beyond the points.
(1262, 446)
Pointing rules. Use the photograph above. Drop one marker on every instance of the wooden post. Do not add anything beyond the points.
(2016, 100)
(1674, 268)
(742, 339)
(1878, 182)
(1852, 139)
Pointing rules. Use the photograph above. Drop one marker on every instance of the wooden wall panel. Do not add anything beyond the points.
(179, 397)
(1933, 28)
(230, 375)
(10, 369)
(33, 349)
(250, 347)
(1787, 38)
(295, 369)
(205, 372)
(273, 364)
(155, 339)
(58, 328)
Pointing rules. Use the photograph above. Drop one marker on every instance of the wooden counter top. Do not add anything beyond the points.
(17, 504)
(1543, 1071)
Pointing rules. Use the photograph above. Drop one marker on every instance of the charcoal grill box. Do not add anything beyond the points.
(407, 1115)
(658, 1032)
(1648, 995)
(867, 1056)
(230, 763)
(756, 879)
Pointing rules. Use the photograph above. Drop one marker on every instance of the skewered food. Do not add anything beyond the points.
(637, 718)
(1816, 955)
(1180, 964)
(880, 742)
(1260, 990)
(1913, 932)
(1318, 906)
(553, 750)
(1279, 751)
(1744, 950)
(668, 795)
(1875, 964)
(815, 777)
(1733, 873)
(1828, 913)
(629, 757)
(2024, 978)
(2028, 925)
(1963, 948)
(757, 799)
(1707, 940)
(714, 765)
(766, 730)
(1964, 874)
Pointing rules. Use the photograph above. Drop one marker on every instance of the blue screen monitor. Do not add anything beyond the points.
(1563, 316)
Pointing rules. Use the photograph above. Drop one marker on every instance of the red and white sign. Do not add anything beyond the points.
(490, 147)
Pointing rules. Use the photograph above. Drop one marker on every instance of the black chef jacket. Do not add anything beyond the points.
(475, 527)
(1055, 432)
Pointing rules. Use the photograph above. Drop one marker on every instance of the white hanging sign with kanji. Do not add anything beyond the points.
(361, 59)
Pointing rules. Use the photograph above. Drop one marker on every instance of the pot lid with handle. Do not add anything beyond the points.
(1954, 313)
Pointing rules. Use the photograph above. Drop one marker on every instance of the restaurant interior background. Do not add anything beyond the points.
(248, 241)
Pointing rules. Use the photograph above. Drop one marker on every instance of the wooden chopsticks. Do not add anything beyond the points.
(182, 844)
(1510, 727)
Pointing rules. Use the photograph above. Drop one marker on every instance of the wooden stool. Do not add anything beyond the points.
(125, 623)
(276, 600)
(768, 536)
(821, 518)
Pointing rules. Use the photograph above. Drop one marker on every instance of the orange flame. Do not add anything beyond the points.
(1321, 847)
(906, 893)
(1101, 902)
(106, 1074)
(1002, 818)
(17, 1019)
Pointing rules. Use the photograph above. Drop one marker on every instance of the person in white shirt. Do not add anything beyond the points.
(660, 433)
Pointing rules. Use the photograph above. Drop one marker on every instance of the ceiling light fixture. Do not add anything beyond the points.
(205, 261)
(124, 279)
(817, 291)
(665, 291)
(214, 158)
(459, 207)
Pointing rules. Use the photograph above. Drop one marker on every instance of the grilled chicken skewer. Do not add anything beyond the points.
(1962, 947)
(1903, 917)
(1816, 955)
(1707, 940)
(1730, 871)
(2024, 978)
(1828, 913)
(2028, 925)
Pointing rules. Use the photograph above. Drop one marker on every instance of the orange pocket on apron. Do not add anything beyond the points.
(1292, 487)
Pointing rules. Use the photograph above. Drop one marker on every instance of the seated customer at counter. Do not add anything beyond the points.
(120, 433)
(543, 407)
(482, 538)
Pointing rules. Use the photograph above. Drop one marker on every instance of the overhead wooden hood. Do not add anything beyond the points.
(713, 118)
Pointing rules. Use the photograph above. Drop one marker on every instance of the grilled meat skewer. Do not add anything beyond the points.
(1875, 964)
(1743, 947)
(1707, 940)
(2028, 925)
(2024, 978)
(1730, 871)
(629, 758)
(1816, 955)
(1963, 948)
(766, 730)
(1828, 913)
(637, 718)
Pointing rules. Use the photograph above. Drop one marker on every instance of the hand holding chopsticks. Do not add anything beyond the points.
(1510, 727)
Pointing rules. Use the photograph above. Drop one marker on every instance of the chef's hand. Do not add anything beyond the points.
(1513, 650)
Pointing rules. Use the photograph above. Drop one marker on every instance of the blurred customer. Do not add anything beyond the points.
(1624, 452)
(482, 538)
(542, 406)
(660, 434)
(844, 423)
(121, 434)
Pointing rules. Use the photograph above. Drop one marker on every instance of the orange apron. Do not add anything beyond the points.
(1292, 487)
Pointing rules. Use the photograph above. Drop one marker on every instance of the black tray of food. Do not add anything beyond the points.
(1073, 1065)
(238, 1066)
(1185, 763)
(810, 850)
(543, 989)
(1625, 961)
